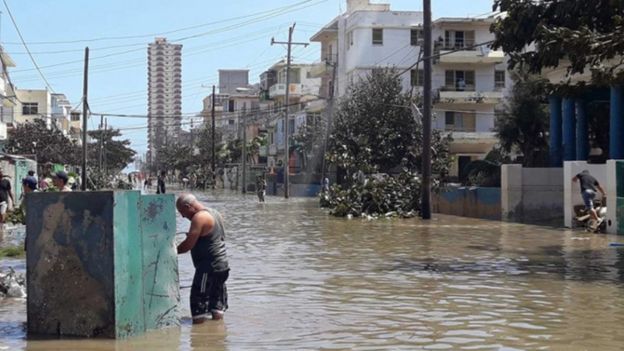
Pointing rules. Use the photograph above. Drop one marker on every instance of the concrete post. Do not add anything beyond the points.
(511, 192)
(569, 130)
(556, 159)
(616, 129)
(582, 131)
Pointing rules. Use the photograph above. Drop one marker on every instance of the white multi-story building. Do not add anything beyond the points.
(9, 103)
(164, 93)
(469, 80)
(304, 89)
(33, 104)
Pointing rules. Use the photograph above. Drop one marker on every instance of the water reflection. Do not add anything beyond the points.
(303, 280)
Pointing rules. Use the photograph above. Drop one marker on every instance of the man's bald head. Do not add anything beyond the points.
(188, 205)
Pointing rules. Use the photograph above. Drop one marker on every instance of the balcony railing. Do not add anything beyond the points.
(459, 87)
(459, 44)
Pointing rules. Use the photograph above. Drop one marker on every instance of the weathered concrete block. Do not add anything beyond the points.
(92, 262)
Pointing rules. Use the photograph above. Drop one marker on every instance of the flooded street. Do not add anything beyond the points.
(303, 280)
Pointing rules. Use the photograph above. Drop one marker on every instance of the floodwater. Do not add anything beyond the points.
(303, 280)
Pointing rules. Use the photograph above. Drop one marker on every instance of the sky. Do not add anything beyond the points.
(215, 35)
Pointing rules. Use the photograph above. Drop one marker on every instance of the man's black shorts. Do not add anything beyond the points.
(208, 293)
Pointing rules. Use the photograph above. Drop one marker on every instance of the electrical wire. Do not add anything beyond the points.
(139, 36)
(216, 31)
(19, 33)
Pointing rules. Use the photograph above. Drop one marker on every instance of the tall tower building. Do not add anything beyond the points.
(164, 77)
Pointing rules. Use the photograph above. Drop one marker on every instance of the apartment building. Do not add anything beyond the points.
(164, 93)
(33, 104)
(304, 94)
(8, 105)
(469, 80)
(235, 99)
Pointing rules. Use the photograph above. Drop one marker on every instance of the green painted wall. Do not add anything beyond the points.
(129, 314)
(101, 264)
(160, 261)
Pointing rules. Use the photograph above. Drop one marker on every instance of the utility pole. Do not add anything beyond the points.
(101, 141)
(85, 112)
(330, 118)
(244, 153)
(287, 103)
(214, 160)
(103, 145)
(426, 156)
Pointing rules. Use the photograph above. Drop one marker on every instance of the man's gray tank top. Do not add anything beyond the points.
(209, 251)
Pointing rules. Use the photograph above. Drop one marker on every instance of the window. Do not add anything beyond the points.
(230, 122)
(231, 106)
(416, 37)
(460, 80)
(30, 108)
(377, 36)
(417, 77)
(459, 39)
(459, 121)
(291, 126)
(499, 79)
(75, 117)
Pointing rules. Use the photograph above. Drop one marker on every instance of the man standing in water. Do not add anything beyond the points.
(206, 241)
(160, 184)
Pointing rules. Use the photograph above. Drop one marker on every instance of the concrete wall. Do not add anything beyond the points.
(472, 202)
(572, 193)
(100, 263)
(531, 195)
(296, 190)
(615, 197)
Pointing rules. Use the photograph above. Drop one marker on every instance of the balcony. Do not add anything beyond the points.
(470, 55)
(280, 90)
(472, 142)
(467, 95)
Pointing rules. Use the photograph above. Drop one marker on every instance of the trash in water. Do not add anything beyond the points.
(12, 284)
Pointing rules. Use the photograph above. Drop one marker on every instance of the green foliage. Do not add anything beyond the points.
(523, 125)
(374, 196)
(116, 154)
(487, 172)
(49, 145)
(585, 33)
(17, 216)
(12, 252)
(375, 130)
(376, 133)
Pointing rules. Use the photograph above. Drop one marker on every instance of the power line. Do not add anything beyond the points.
(215, 31)
(139, 36)
(19, 33)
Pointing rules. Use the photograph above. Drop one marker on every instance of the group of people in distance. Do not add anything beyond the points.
(30, 183)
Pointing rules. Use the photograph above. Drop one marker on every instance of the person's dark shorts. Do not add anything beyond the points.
(208, 293)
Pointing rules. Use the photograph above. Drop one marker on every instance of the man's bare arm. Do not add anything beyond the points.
(195, 232)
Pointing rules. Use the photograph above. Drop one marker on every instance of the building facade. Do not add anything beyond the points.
(469, 80)
(235, 99)
(164, 93)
